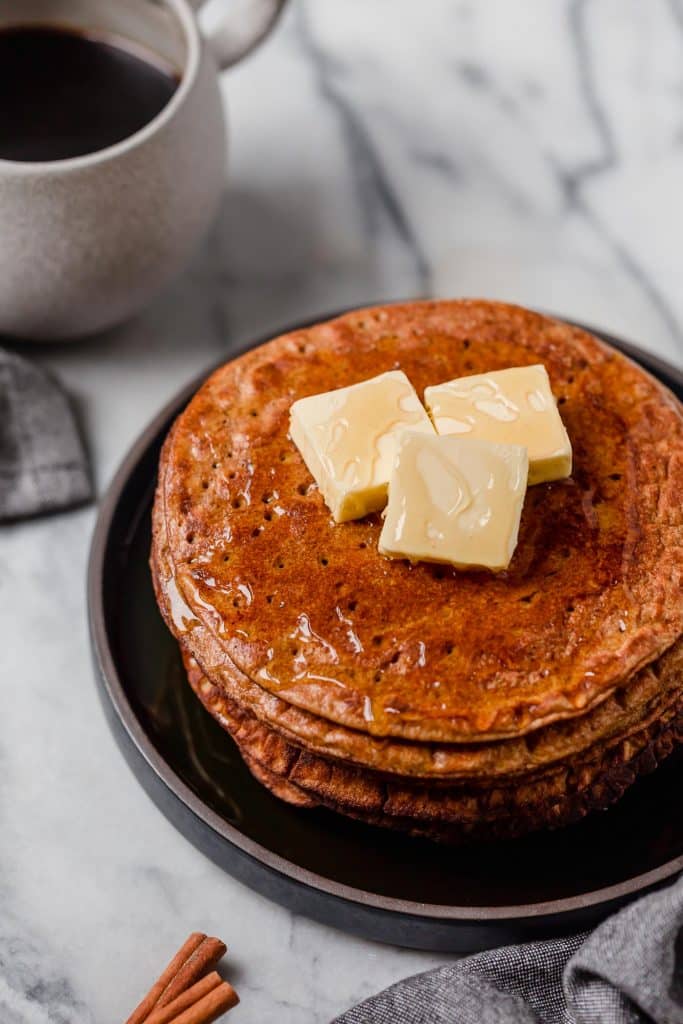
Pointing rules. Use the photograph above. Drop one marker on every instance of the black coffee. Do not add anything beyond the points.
(63, 94)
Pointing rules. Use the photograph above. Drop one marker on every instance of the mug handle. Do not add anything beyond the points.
(240, 32)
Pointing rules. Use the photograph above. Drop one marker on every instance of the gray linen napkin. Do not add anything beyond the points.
(628, 971)
(43, 466)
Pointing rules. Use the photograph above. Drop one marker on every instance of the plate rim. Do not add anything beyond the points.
(110, 681)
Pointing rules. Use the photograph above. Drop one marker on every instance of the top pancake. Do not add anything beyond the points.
(309, 610)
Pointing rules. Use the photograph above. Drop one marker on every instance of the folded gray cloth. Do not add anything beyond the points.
(628, 971)
(43, 466)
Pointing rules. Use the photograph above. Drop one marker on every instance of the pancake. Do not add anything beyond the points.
(311, 614)
(653, 686)
(452, 813)
(446, 704)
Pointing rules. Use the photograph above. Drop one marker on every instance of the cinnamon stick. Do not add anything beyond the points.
(188, 998)
(190, 946)
(203, 959)
(210, 1007)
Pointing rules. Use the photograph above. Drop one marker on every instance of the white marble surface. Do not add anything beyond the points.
(529, 151)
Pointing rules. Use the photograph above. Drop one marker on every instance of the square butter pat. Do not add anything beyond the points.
(347, 438)
(513, 406)
(455, 500)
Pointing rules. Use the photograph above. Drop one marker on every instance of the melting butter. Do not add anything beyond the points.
(347, 439)
(514, 406)
(455, 500)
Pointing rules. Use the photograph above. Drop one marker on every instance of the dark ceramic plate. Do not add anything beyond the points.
(374, 883)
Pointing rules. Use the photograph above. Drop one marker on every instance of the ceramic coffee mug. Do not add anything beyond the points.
(86, 242)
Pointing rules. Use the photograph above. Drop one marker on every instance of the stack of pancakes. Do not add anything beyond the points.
(441, 702)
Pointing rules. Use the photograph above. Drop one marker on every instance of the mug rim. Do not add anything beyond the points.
(190, 29)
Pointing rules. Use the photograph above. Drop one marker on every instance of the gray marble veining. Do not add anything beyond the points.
(529, 151)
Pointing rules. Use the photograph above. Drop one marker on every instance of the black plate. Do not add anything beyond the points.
(374, 883)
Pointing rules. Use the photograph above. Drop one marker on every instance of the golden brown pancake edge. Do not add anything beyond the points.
(655, 685)
(451, 814)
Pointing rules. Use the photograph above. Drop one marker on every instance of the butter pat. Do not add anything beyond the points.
(348, 437)
(455, 500)
(513, 406)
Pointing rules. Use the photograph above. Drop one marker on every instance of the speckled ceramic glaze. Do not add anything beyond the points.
(86, 242)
